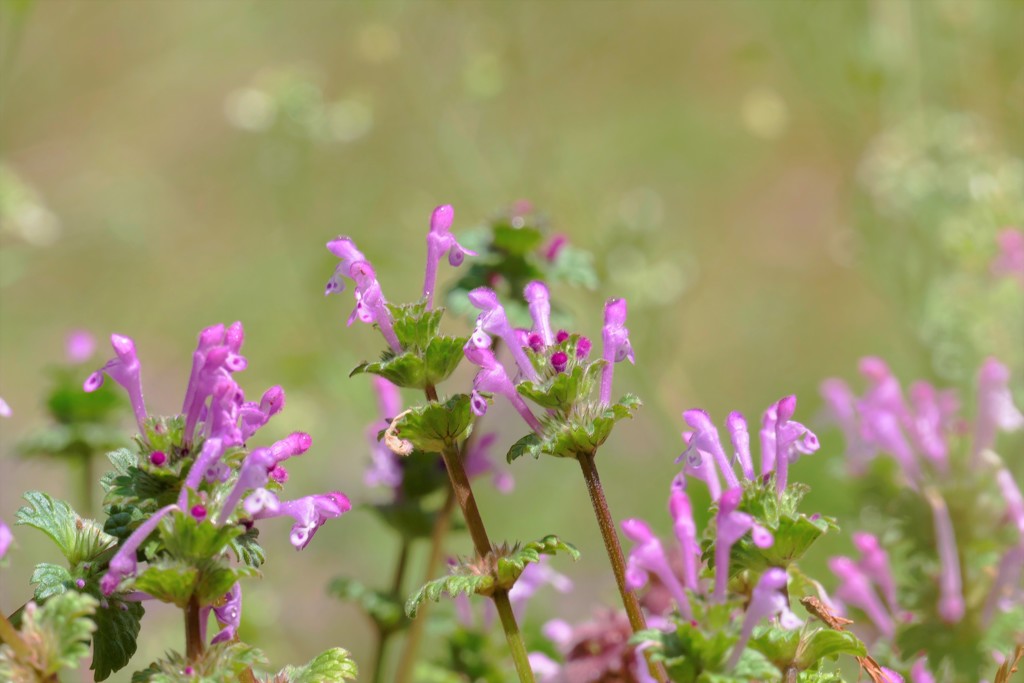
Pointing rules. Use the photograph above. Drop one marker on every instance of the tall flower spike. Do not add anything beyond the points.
(617, 348)
(345, 249)
(123, 562)
(123, 368)
(740, 437)
(648, 557)
(951, 595)
(874, 562)
(539, 301)
(441, 240)
(200, 382)
(731, 527)
(493, 321)
(767, 600)
(686, 532)
(705, 438)
(493, 378)
(996, 410)
(855, 589)
(309, 512)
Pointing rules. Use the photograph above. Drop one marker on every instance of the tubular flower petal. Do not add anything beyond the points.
(874, 563)
(371, 306)
(5, 538)
(996, 410)
(855, 589)
(439, 241)
(767, 600)
(493, 321)
(841, 408)
(493, 378)
(698, 465)
(345, 249)
(731, 527)
(123, 368)
(951, 597)
(229, 615)
(705, 438)
(927, 424)
(207, 460)
(309, 512)
(254, 415)
(539, 301)
(686, 532)
(258, 466)
(617, 348)
(123, 563)
(740, 437)
(648, 557)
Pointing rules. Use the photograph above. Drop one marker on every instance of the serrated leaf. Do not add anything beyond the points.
(583, 431)
(168, 581)
(510, 566)
(189, 539)
(57, 635)
(452, 586)
(793, 538)
(406, 370)
(434, 426)
(123, 459)
(384, 608)
(221, 663)
(247, 548)
(331, 666)
(415, 325)
(77, 538)
(49, 580)
(114, 643)
(822, 643)
(516, 241)
(442, 357)
(564, 390)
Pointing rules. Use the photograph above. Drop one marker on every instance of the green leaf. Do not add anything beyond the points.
(49, 580)
(114, 643)
(822, 643)
(431, 427)
(442, 357)
(77, 538)
(57, 634)
(793, 538)
(565, 389)
(510, 566)
(191, 540)
(516, 241)
(406, 370)
(247, 548)
(384, 608)
(452, 586)
(583, 431)
(415, 325)
(123, 459)
(221, 663)
(176, 581)
(331, 666)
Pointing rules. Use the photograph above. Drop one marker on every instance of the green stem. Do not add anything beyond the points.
(415, 634)
(10, 635)
(193, 631)
(384, 637)
(611, 544)
(515, 638)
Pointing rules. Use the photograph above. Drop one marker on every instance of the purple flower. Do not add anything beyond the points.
(439, 241)
(705, 438)
(698, 465)
(1010, 260)
(996, 410)
(216, 358)
(254, 415)
(229, 615)
(255, 470)
(478, 461)
(686, 532)
(345, 249)
(371, 306)
(539, 301)
(534, 577)
(731, 526)
(841, 409)
(204, 466)
(617, 348)
(740, 437)
(855, 589)
(384, 469)
(493, 321)
(123, 563)
(492, 378)
(157, 458)
(124, 369)
(767, 601)
(951, 597)
(648, 557)
(5, 538)
(309, 512)
(874, 562)
(559, 361)
(583, 347)
(919, 672)
(79, 346)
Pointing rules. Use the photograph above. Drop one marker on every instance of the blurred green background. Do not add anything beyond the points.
(778, 188)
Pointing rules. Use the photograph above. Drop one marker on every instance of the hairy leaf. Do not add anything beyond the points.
(432, 427)
(583, 431)
(114, 643)
(49, 580)
(57, 635)
(452, 586)
(77, 538)
(332, 666)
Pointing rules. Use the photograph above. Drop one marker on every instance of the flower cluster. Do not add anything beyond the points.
(216, 424)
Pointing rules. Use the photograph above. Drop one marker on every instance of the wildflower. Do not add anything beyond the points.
(686, 532)
(617, 348)
(254, 415)
(996, 410)
(1010, 260)
(79, 346)
(559, 361)
(648, 557)
(538, 299)
(492, 378)
(478, 461)
(228, 614)
(698, 464)
(768, 600)
(124, 369)
(309, 512)
(919, 672)
(595, 650)
(705, 438)
(157, 458)
(345, 249)
(384, 468)
(731, 526)
(5, 410)
(855, 589)
(255, 470)
(123, 563)
(439, 241)
(493, 321)
(874, 563)
(841, 408)
(951, 599)
(740, 437)
(371, 306)
(5, 538)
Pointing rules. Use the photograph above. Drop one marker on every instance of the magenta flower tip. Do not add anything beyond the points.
(157, 458)
(79, 584)
(93, 382)
(79, 346)
(198, 511)
(478, 404)
(124, 347)
(279, 474)
(535, 342)
(559, 361)
(637, 530)
(561, 336)
(535, 292)
(583, 347)
(785, 408)
(441, 219)
(483, 298)
(615, 312)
